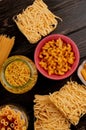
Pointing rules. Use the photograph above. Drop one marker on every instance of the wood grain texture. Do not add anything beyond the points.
(73, 13)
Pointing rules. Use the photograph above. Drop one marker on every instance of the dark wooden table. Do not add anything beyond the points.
(73, 13)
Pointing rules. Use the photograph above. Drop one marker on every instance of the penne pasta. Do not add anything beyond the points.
(12, 120)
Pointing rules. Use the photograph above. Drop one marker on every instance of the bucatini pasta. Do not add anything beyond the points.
(36, 21)
(6, 44)
(56, 57)
(48, 117)
(71, 101)
(11, 119)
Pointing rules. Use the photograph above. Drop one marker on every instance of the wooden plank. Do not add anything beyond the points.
(73, 14)
(80, 39)
(71, 11)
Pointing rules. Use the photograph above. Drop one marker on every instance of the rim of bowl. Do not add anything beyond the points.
(79, 73)
(67, 40)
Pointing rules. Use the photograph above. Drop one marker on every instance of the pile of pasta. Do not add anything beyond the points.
(17, 73)
(36, 21)
(11, 119)
(6, 44)
(56, 57)
(57, 111)
(47, 116)
(71, 101)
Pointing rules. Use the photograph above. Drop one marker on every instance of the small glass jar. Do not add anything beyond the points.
(13, 118)
(18, 74)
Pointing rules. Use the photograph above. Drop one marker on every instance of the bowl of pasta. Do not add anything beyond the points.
(82, 72)
(56, 56)
(18, 74)
(13, 118)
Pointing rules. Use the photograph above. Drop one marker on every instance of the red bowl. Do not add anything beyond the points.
(66, 40)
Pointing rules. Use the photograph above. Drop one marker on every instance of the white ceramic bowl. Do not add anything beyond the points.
(79, 72)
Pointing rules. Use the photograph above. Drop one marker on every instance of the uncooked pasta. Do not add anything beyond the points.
(71, 101)
(17, 73)
(36, 21)
(48, 117)
(11, 119)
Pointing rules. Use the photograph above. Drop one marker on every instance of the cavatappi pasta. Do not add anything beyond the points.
(56, 57)
(71, 101)
(36, 21)
(48, 117)
(11, 119)
(17, 73)
(6, 44)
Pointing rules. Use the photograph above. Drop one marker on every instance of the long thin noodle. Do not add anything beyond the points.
(36, 21)
(48, 117)
(6, 44)
(71, 101)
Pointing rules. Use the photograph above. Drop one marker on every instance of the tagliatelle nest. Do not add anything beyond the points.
(36, 21)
